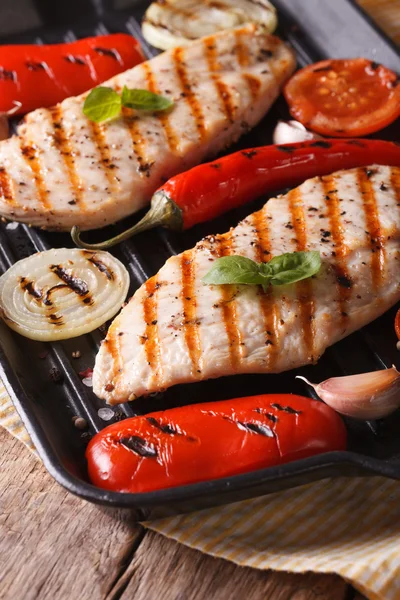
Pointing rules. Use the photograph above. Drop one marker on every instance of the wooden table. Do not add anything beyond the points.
(54, 546)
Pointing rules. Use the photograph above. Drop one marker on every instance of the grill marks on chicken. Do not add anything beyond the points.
(64, 147)
(344, 282)
(189, 314)
(223, 90)
(63, 170)
(191, 331)
(267, 304)
(188, 94)
(304, 288)
(170, 133)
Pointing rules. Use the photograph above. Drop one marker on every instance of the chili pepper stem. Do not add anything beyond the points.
(163, 212)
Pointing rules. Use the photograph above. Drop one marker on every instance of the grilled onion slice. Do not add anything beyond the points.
(170, 23)
(62, 293)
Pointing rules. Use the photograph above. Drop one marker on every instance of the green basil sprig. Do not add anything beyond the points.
(104, 103)
(280, 270)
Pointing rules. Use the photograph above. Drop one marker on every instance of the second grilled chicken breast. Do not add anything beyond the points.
(175, 329)
(63, 170)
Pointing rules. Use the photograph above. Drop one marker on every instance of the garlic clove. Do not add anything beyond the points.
(288, 132)
(363, 396)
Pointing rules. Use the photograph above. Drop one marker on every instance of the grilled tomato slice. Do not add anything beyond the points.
(344, 98)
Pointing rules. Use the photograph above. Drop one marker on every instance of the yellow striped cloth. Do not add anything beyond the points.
(346, 526)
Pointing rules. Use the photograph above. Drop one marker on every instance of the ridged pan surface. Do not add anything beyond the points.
(27, 368)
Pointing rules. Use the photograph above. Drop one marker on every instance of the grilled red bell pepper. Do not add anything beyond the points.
(211, 189)
(208, 441)
(38, 76)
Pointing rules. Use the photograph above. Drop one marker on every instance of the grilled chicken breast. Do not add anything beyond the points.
(63, 170)
(175, 329)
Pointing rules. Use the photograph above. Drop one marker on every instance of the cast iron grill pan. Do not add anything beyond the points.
(47, 407)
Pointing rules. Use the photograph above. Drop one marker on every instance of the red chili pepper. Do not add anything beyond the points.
(208, 441)
(211, 189)
(38, 76)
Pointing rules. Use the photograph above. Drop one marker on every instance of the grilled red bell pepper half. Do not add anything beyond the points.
(213, 188)
(208, 441)
(39, 76)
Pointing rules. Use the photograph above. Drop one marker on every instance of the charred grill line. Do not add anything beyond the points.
(191, 328)
(28, 286)
(165, 428)
(30, 155)
(76, 284)
(254, 85)
(6, 187)
(76, 60)
(108, 52)
(151, 343)
(228, 307)
(287, 409)
(304, 288)
(138, 141)
(241, 50)
(256, 428)
(63, 146)
(102, 267)
(172, 138)
(267, 414)
(46, 299)
(268, 305)
(140, 446)
(259, 428)
(55, 319)
(375, 238)
(99, 140)
(114, 348)
(189, 95)
(336, 230)
(222, 89)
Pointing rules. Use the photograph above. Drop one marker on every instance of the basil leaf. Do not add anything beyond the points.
(292, 267)
(144, 100)
(101, 104)
(234, 269)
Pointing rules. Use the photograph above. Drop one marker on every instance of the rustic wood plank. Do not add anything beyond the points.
(52, 544)
(161, 568)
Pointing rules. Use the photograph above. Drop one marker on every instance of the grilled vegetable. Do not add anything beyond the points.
(211, 189)
(178, 330)
(209, 441)
(344, 98)
(365, 396)
(37, 76)
(63, 170)
(63, 293)
(170, 23)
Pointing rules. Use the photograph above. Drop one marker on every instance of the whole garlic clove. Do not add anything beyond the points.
(288, 132)
(364, 396)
